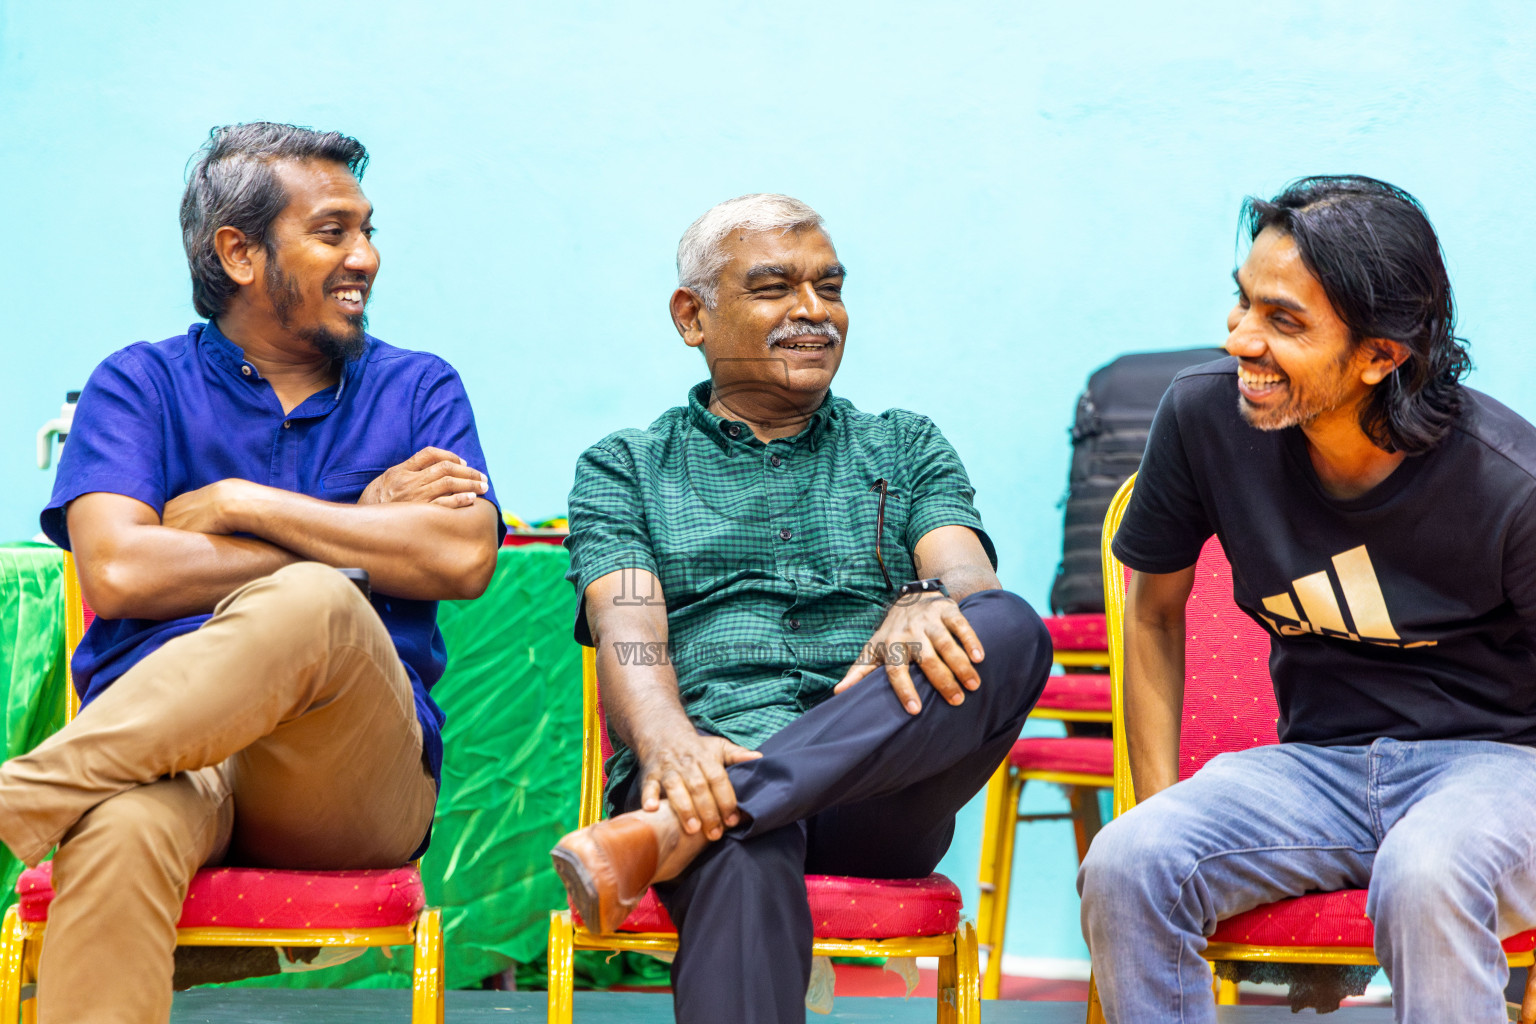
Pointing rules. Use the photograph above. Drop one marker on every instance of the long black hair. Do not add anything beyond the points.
(232, 183)
(1372, 248)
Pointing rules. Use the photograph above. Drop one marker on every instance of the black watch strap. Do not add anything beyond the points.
(932, 585)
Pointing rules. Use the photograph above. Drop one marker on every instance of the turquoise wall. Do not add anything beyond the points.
(1021, 190)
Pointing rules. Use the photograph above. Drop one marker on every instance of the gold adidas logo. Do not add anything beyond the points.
(1320, 610)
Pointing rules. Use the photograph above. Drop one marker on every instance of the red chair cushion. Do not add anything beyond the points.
(1075, 691)
(848, 908)
(265, 898)
(1320, 919)
(1093, 755)
(1078, 632)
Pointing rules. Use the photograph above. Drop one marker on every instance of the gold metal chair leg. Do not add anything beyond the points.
(987, 874)
(967, 975)
(562, 968)
(427, 972)
(1095, 1008)
(1006, 827)
(12, 949)
(1226, 992)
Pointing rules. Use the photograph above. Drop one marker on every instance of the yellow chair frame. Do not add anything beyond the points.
(1001, 821)
(959, 996)
(1125, 795)
(21, 942)
(1000, 826)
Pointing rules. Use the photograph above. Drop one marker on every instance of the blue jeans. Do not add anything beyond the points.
(1442, 832)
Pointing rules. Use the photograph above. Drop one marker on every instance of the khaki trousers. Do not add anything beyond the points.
(283, 733)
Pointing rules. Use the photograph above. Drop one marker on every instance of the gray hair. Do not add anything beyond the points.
(231, 183)
(701, 253)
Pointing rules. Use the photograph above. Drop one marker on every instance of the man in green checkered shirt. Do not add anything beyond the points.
(740, 565)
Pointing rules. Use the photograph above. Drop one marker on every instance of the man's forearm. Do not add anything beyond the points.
(640, 702)
(1154, 701)
(414, 550)
(964, 580)
(153, 572)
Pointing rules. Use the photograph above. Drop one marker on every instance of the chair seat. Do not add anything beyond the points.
(265, 898)
(1078, 632)
(1090, 755)
(847, 908)
(1075, 691)
(1320, 919)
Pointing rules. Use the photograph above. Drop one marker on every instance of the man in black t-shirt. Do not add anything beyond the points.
(1381, 523)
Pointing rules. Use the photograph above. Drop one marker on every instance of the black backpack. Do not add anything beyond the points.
(1114, 415)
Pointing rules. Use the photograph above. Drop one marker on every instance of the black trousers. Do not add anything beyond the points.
(857, 786)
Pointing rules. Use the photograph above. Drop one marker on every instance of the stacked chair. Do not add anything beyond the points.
(852, 916)
(1229, 704)
(245, 906)
(1083, 765)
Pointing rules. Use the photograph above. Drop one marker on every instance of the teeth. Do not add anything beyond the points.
(1258, 379)
(350, 295)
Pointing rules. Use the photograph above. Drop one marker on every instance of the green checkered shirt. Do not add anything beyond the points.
(765, 552)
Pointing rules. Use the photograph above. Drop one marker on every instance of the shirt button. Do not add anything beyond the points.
(287, 424)
(733, 430)
(794, 623)
(245, 370)
(786, 534)
(777, 462)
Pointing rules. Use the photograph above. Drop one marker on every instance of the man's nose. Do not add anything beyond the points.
(364, 257)
(1243, 341)
(808, 305)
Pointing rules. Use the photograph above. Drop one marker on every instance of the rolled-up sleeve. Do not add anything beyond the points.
(942, 494)
(608, 524)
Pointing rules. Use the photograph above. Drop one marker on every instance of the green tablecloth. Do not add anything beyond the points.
(512, 694)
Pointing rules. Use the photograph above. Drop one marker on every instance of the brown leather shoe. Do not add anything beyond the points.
(607, 867)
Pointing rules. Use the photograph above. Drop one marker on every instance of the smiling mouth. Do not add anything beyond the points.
(348, 295)
(803, 346)
(1256, 383)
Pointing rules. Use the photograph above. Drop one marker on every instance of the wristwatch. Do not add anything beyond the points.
(932, 585)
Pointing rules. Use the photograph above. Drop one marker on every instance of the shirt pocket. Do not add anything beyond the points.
(347, 485)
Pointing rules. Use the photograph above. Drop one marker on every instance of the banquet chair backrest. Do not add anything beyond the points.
(1229, 699)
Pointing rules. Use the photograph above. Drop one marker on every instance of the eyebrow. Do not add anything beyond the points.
(763, 270)
(340, 211)
(1270, 300)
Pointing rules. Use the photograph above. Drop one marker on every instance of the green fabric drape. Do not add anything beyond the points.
(32, 668)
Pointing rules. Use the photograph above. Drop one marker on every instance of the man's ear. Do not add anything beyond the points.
(237, 254)
(1380, 357)
(687, 316)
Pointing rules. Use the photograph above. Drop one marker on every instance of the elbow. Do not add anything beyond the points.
(111, 590)
(473, 571)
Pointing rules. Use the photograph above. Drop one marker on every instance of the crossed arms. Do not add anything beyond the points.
(420, 529)
(644, 710)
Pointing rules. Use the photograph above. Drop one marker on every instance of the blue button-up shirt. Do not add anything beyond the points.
(158, 420)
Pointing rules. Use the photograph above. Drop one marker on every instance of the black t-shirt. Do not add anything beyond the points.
(1409, 612)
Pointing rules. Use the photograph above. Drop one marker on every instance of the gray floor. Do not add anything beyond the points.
(363, 1006)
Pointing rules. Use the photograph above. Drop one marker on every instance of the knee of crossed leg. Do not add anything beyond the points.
(1012, 632)
(310, 595)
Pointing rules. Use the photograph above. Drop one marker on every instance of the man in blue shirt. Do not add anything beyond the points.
(242, 702)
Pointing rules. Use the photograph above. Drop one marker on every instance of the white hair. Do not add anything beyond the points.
(701, 252)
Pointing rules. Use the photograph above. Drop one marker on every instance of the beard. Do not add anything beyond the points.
(337, 346)
(1325, 393)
